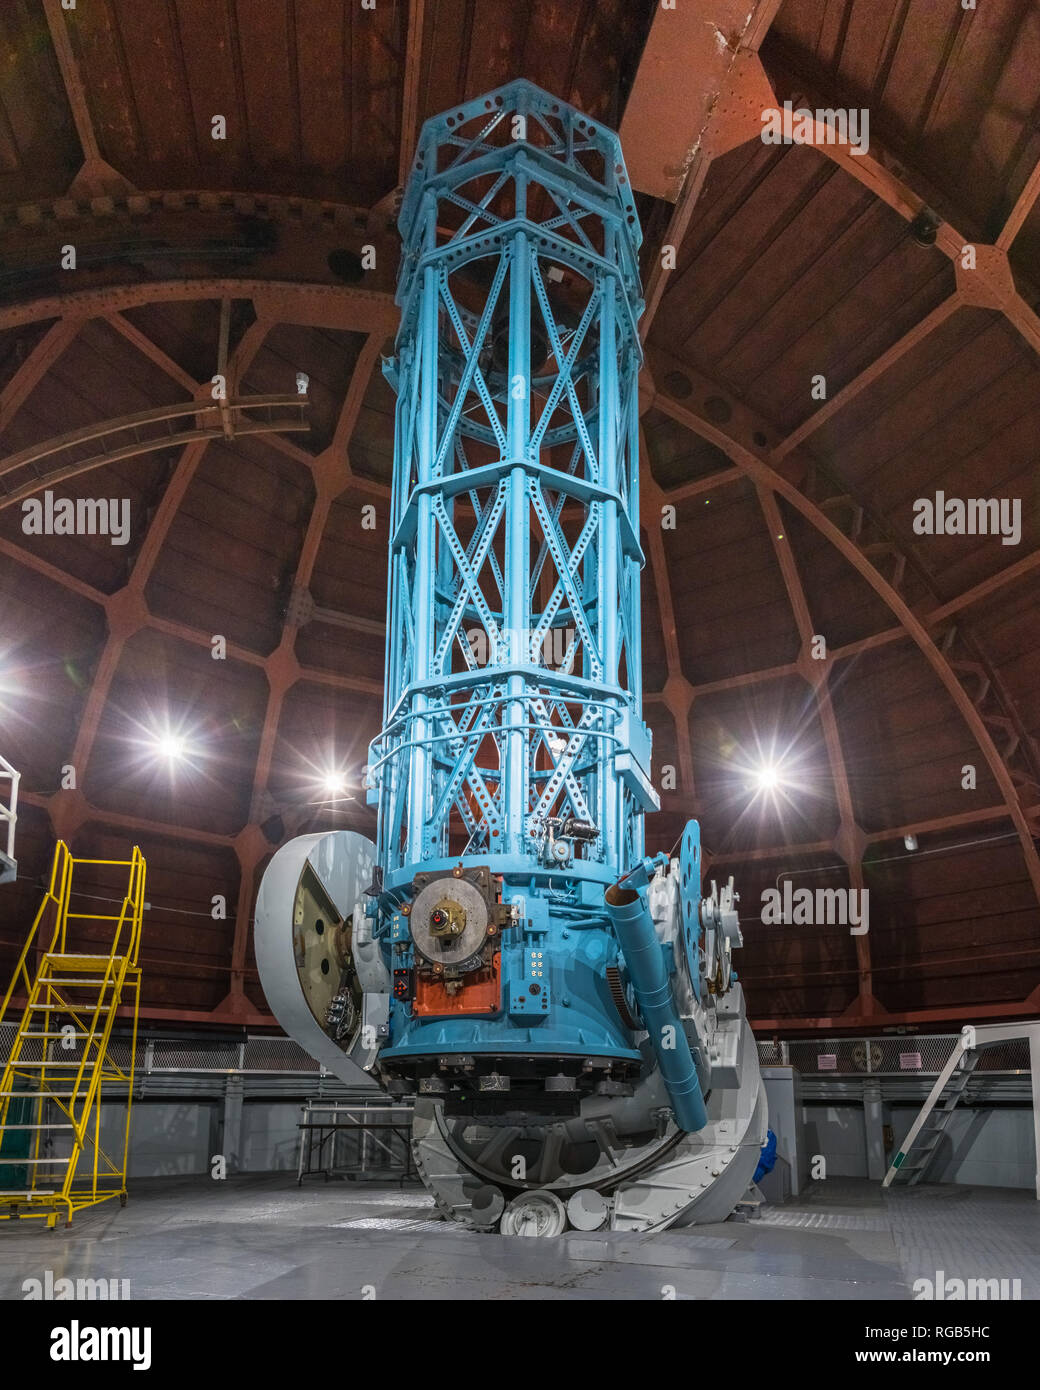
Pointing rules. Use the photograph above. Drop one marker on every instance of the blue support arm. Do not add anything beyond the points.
(627, 905)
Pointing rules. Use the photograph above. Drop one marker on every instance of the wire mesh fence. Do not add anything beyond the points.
(885, 1056)
(258, 1055)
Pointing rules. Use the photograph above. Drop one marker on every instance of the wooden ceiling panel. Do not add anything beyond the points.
(1005, 628)
(100, 376)
(860, 296)
(842, 605)
(958, 923)
(905, 746)
(39, 149)
(931, 378)
(350, 572)
(732, 613)
(735, 733)
(788, 970)
(949, 89)
(187, 333)
(655, 661)
(309, 93)
(49, 641)
(228, 561)
(716, 255)
(321, 731)
(371, 447)
(132, 64)
(676, 455)
(165, 686)
(326, 356)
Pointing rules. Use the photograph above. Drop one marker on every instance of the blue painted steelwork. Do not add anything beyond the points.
(513, 735)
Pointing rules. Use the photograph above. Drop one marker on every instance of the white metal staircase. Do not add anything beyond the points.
(917, 1152)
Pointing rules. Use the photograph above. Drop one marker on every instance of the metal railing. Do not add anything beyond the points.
(917, 1055)
(9, 813)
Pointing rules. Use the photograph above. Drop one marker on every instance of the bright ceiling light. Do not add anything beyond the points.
(767, 778)
(171, 747)
(335, 783)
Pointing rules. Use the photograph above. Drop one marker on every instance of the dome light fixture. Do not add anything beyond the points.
(170, 747)
(767, 778)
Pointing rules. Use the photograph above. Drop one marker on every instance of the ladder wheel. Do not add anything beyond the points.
(122, 1199)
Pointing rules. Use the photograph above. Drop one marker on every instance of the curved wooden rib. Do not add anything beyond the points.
(131, 424)
(764, 474)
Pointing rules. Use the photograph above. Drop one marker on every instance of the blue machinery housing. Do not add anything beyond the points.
(514, 760)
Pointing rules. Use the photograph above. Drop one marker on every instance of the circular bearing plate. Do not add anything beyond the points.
(587, 1209)
(534, 1214)
(449, 950)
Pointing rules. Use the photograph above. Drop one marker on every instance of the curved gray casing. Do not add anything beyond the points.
(344, 862)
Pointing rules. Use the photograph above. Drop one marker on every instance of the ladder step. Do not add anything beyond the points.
(75, 1033)
(67, 1160)
(40, 1095)
(80, 955)
(84, 980)
(63, 1125)
(18, 1064)
(54, 1007)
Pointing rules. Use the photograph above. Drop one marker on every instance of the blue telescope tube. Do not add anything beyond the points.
(646, 969)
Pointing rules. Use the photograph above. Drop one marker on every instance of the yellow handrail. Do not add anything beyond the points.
(61, 875)
(58, 893)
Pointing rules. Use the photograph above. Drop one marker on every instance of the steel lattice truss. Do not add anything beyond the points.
(514, 627)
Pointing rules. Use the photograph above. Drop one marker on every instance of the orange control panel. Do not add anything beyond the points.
(480, 994)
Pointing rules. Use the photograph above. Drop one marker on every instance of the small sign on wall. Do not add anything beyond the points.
(909, 1061)
(827, 1061)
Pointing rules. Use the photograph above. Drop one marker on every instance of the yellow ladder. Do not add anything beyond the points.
(62, 1053)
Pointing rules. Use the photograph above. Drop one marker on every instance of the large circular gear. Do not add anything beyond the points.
(456, 1155)
(534, 1214)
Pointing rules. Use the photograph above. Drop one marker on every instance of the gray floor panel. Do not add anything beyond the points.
(261, 1237)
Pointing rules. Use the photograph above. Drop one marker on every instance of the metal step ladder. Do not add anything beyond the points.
(62, 1058)
(917, 1151)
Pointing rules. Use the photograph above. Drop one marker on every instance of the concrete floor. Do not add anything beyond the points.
(261, 1237)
